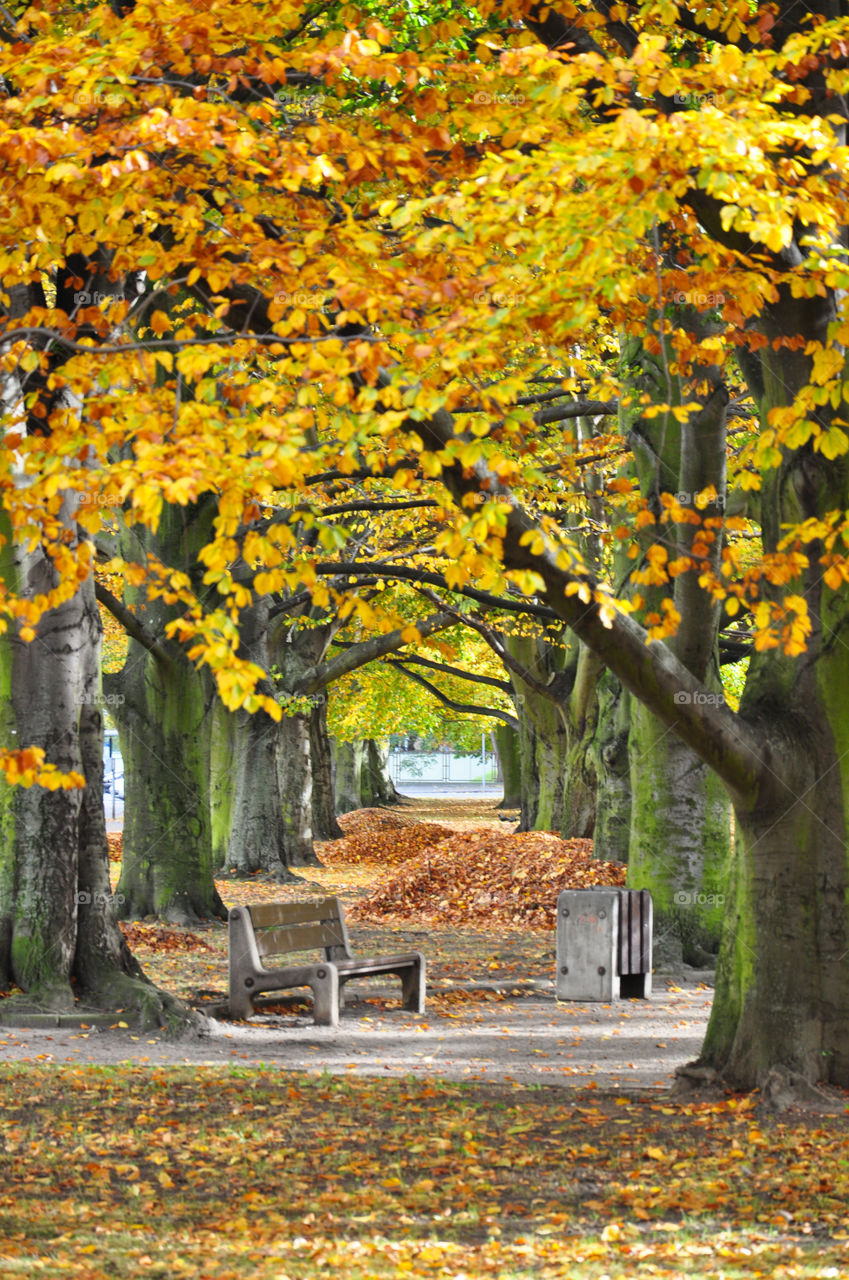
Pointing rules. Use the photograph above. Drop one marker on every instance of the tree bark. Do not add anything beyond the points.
(164, 729)
(680, 837)
(348, 761)
(259, 838)
(222, 751)
(509, 763)
(782, 993)
(555, 703)
(163, 708)
(59, 936)
(612, 835)
(324, 824)
(679, 845)
(376, 786)
(295, 782)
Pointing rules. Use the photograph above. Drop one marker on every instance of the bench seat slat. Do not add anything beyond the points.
(381, 964)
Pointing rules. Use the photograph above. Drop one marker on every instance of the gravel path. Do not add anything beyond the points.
(632, 1044)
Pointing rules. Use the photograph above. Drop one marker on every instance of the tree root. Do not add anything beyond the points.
(784, 1089)
(147, 1008)
(696, 1080)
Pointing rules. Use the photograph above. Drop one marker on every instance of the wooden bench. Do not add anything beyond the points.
(280, 928)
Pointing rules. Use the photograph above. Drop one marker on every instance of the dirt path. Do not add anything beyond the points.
(634, 1044)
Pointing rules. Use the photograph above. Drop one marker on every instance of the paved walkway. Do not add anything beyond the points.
(632, 1044)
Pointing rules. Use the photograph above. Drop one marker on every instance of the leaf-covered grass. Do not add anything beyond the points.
(218, 1173)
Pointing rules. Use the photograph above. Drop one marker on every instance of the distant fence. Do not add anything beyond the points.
(435, 768)
(113, 776)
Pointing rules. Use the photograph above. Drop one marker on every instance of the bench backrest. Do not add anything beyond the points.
(283, 927)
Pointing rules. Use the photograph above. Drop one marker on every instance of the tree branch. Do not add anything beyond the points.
(357, 655)
(726, 742)
(130, 622)
(464, 708)
(460, 674)
(404, 572)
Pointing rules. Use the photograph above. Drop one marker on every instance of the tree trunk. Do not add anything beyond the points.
(348, 760)
(580, 782)
(544, 749)
(680, 845)
(612, 835)
(324, 824)
(163, 708)
(680, 839)
(510, 765)
(163, 727)
(58, 924)
(295, 782)
(782, 994)
(555, 680)
(259, 836)
(222, 752)
(376, 786)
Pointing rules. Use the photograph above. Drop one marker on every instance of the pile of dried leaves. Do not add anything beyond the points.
(371, 819)
(485, 878)
(115, 840)
(383, 843)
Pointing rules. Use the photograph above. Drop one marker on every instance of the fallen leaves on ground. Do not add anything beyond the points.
(160, 937)
(487, 878)
(384, 844)
(115, 841)
(226, 1172)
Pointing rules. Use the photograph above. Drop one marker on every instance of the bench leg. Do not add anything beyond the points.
(413, 988)
(241, 1005)
(325, 996)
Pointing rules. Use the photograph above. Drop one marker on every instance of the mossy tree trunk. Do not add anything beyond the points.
(324, 824)
(163, 708)
(510, 765)
(782, 994)
(163, 726)
(222, 751)
(612, 835)
(680, 838)
(679, 842)
(259, 838)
